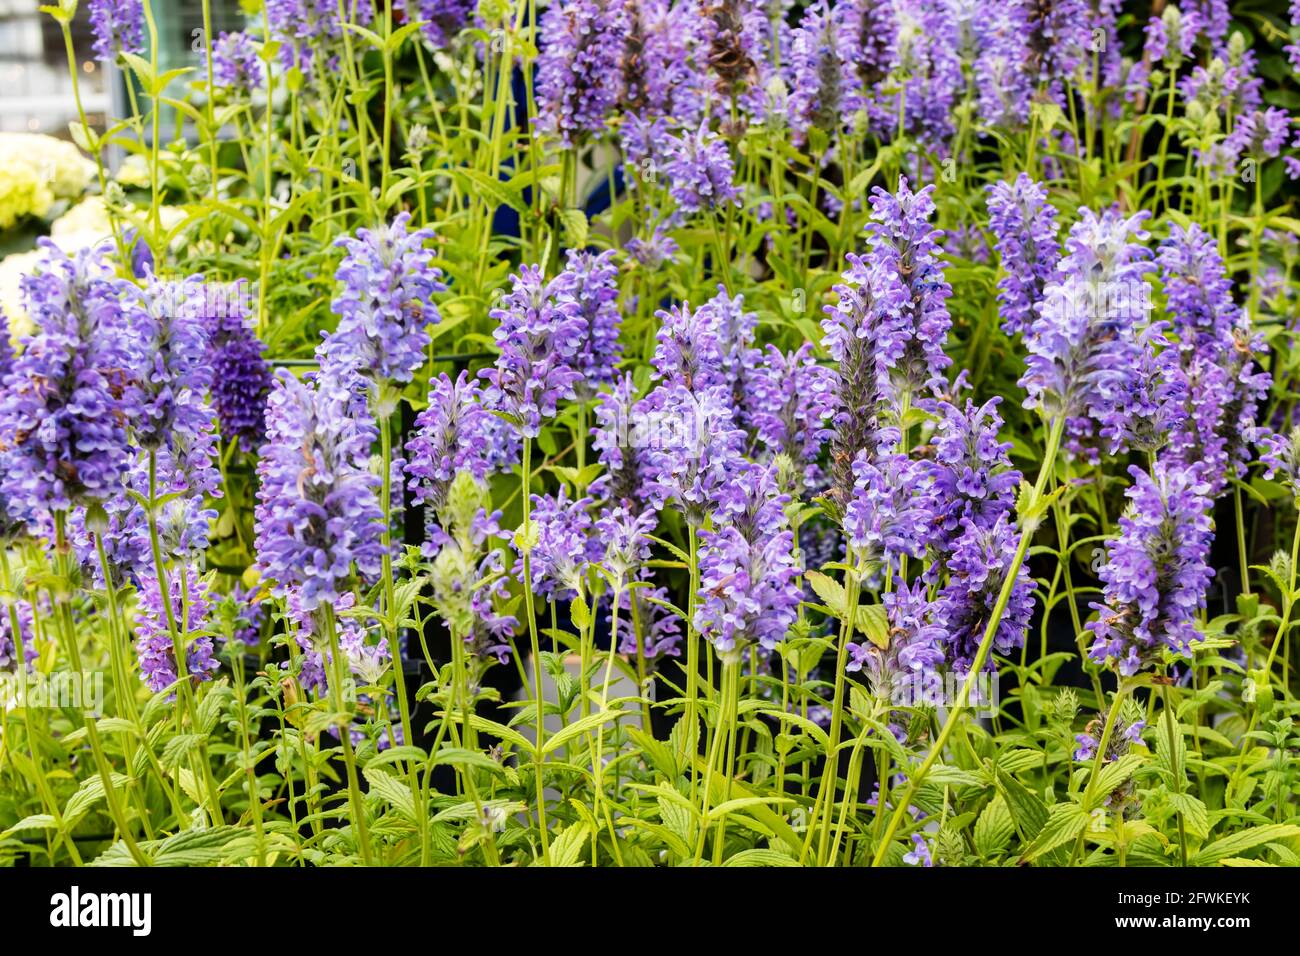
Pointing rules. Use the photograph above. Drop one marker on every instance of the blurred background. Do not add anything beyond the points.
(35, 87)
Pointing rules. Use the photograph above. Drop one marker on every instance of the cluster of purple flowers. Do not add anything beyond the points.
(318, 512)
(189, 601)
(1156, 571)
(386, 301)
(72, 391)
(440, 20)
(118, 27)
(540, 332)
(1025, 226)
(1217, 354)
(749, 590)
(241, 378)
(454, 433)
(578, 78)
(235, 63)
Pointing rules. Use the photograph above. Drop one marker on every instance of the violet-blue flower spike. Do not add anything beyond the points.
(1025, 226)
(1157, 570)
(749, 591)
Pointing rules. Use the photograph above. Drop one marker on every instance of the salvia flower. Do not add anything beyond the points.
(578, 69)
(749, 591)
(592, 281)
(1025, 226)
(892, 512)
(118, 27)
(318, 512)
(973, 477)
(1156, 571)
(235, 63)
(625, 538)
(619, 437)
(540, 333)
(454, 433)
(71, 392)
(660, 628)
(902, 239)
(820, 71)
(792, 399)
(700, 172)
(854, 328)
(190, 602)
(564, 546)
(241, 378)
(693, 448)
(22, 610)
(977, 569)
(1083, 346)
(386, 302)
(906, 671)
(440, 20)
(659, 78)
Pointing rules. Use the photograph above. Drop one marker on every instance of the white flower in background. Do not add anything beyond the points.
(35, 172)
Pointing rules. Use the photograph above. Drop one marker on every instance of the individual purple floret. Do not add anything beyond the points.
(792, 399)
(578, 70)
(386, 302)
(118, 27)
(564, 545)
(893, 511)
(241, 378)
(235, 63)
(749, 589)
(699, 171)
(540, 333)
(1025, 226)
(154, 645)
(72, 391)
(977, 568)
(1156, 572)
(906, 671)
(1083, 347)
(318, 512)
(455, 433)
(592, 281)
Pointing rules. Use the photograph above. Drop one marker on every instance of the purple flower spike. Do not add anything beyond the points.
(578, 69)
(154, 645)
(440, 20)
(455, 433)
(318, 512)
(1157, 573)
(564, 547)
(71, 392)
(793, 397)
(541, 333)
(118, 27)
(235, 63)
(893, 511)
(749, 589)
(1025, 226)
(386, 301)
(592, 281)
(700, 172)
(241, 378)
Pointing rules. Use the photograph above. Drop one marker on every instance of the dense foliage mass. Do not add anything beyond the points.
(660, 432)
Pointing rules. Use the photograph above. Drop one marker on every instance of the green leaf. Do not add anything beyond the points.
(759, 857)
(994, 828)
(1065, 821)
(1196, 817)
(1235, 843)
(578, 728)
(37, 821)
(566, 848)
